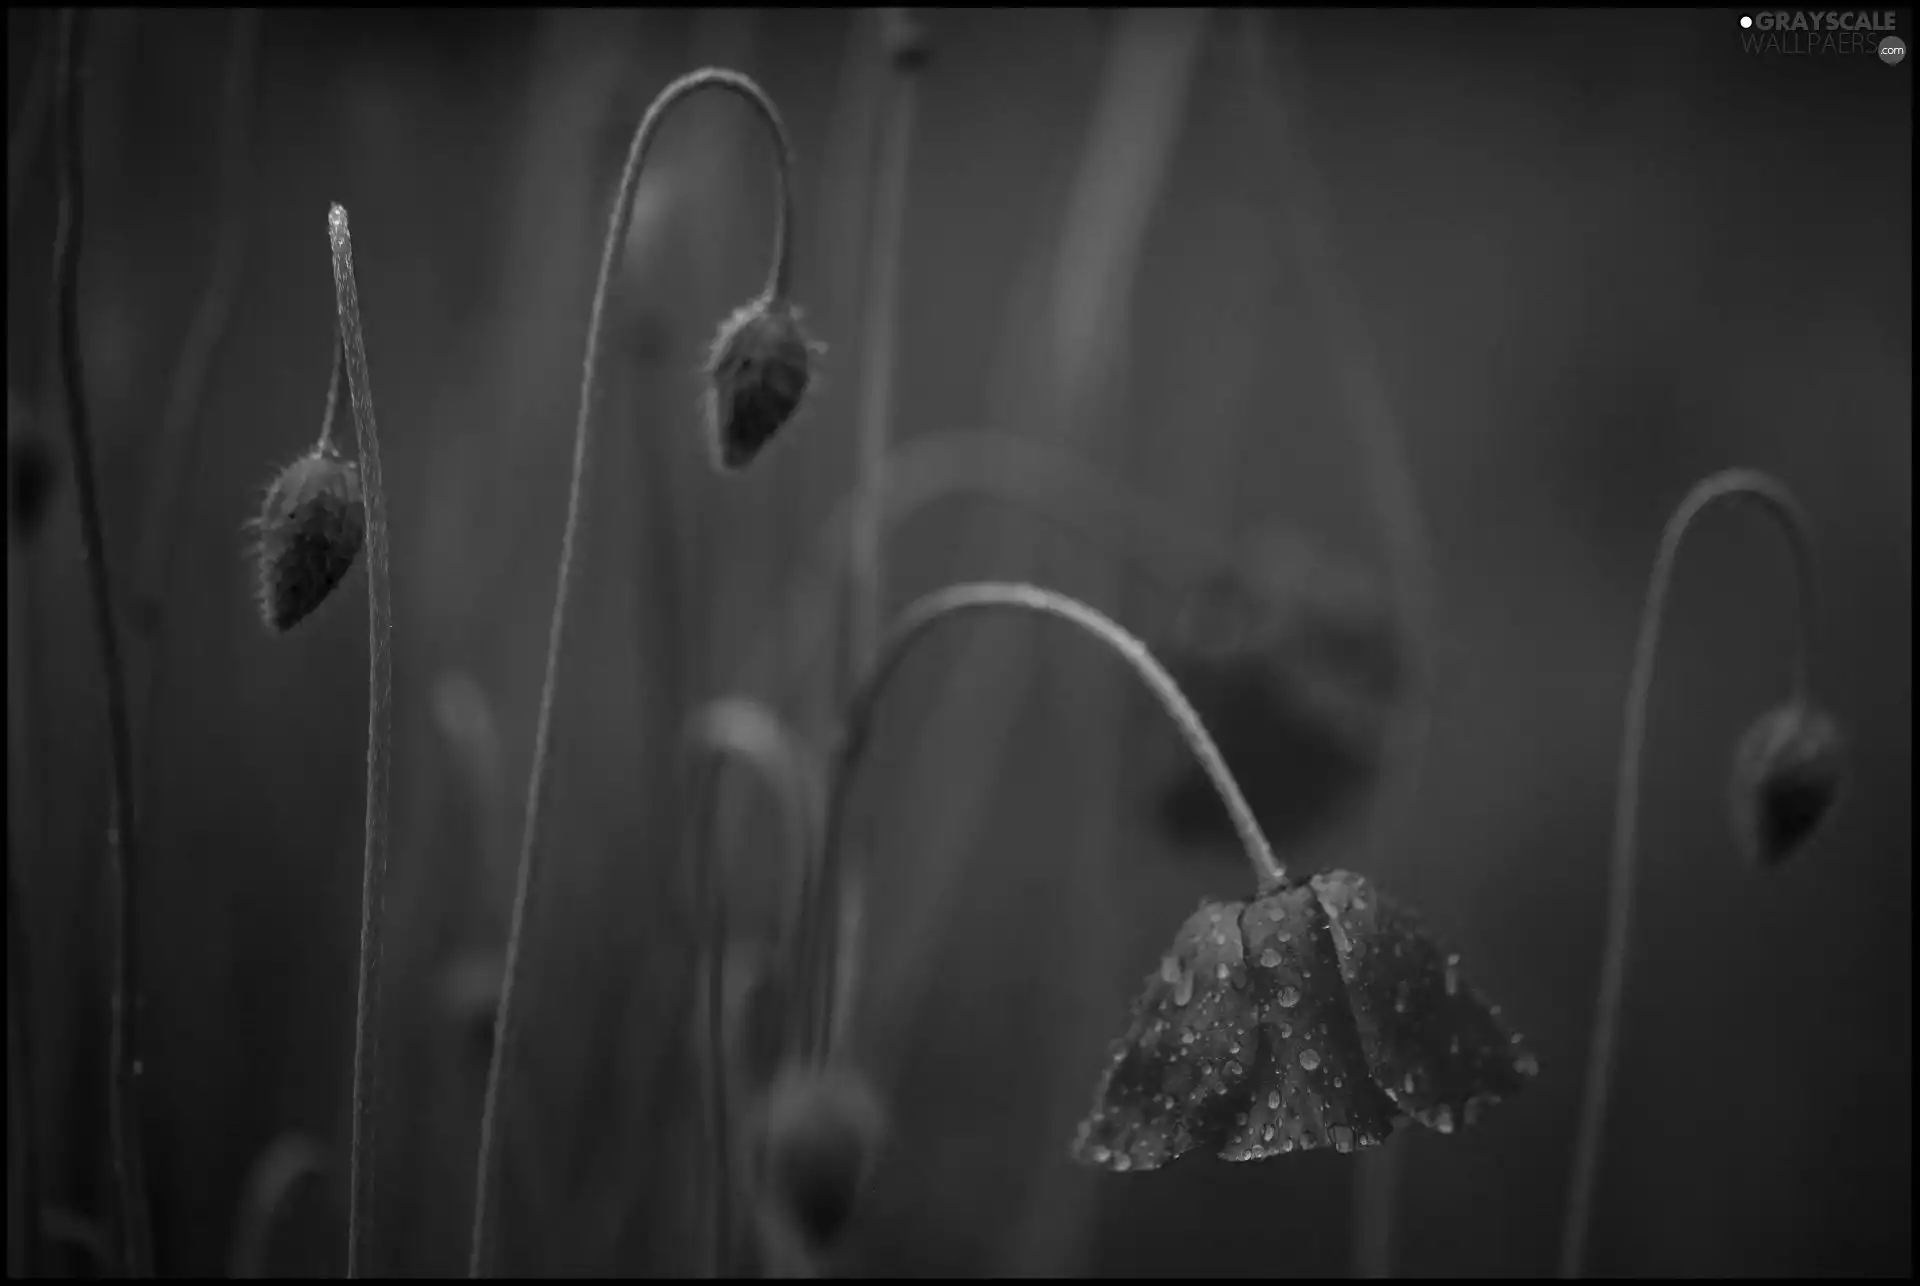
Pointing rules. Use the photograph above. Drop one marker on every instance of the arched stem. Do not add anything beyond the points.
(724, 731)
(778, 281)
(123, 1109)
(1601, 1047)
(373, 884)
(907, 629)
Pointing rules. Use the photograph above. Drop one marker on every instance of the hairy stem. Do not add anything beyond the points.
(1601, 1046)
(856, 737)
(123, 1116)
(778, 280)
(867, 581)
(366, 1025)
(727, 731)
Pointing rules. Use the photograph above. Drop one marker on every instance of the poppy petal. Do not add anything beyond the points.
(1183, 1071)
(1312, 1086)
(1434, 1045)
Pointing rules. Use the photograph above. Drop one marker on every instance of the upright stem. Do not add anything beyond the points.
(778, 282)
(915, 621)
(867, 583)
(136, 1248)
(366, 1027)
(1780, 503)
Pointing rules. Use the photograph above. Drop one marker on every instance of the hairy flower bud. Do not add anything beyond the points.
(310, 529)
(758, 371)
(1786, 775)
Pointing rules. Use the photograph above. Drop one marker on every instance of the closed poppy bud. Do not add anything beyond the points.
(757, 371)
(310, 530)
(31, 471)
(1786, 776)
(821, 1136)
(1296, 664)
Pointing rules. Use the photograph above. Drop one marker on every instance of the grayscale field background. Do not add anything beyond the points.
(1597, 256)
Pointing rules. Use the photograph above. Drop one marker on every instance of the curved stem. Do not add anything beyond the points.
(1780, 503)
(722, 731)
(366, 1027)
(136, 1248)
(778, 280)
(907, 629)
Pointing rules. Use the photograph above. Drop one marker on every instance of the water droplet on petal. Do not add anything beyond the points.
(1275, 914)
(1273, 1100)
(1309, 1059)
(1342, 1139)
(1234, 1068)
(1183, 991)
(1221, 971)
(1289, 996)
(1169, 970)
(1123, 1162)
(1266, 1133)
(1187, 1037)
(1270, 958)
(1444, 1121)
(1526, 1065)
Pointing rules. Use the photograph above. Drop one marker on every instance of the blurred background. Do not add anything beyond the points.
(1575, 261)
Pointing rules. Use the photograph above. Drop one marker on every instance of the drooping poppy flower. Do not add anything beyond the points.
(1316, 1015)
(1296, 664)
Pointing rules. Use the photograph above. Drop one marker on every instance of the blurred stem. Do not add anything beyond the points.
(1781, 505)
(778, 279)
(907, 630)
(736, 730)
(176, 453)
(276, 1172)
(136, 1250)
(22, 1175)
(904, 48)
(1389, 480)
(366, 1027)
(29, 123)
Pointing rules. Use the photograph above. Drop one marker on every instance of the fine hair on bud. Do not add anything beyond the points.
(821, 1136)
(757, 373)
(1787, 771)
(310, 529)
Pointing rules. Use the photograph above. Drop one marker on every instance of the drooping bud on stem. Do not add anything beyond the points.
(1785, 776)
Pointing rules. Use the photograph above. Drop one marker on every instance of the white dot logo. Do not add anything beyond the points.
(1746, 22)
(1892, 50)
